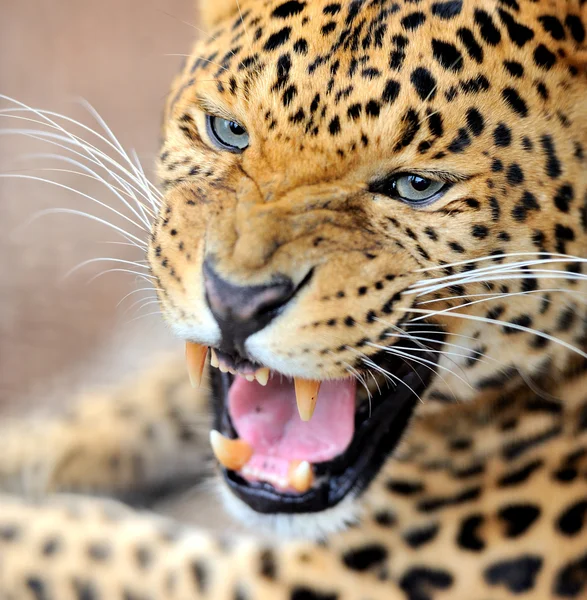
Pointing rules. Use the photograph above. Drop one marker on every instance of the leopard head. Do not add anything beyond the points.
(384, 201)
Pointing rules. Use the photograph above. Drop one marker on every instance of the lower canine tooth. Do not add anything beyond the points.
(306, 396)
(301, 476)
(195, 356)
(262, 376)
(232, 454)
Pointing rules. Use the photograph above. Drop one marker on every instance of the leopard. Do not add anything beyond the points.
(371, 235)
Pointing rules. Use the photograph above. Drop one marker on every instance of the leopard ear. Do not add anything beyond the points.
(213, 12)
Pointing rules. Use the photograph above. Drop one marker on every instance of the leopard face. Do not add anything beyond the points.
(385, 197)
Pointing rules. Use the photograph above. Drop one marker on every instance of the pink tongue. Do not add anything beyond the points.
(267, 418)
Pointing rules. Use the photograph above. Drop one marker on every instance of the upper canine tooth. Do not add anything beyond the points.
(306, 396)
(213, 358)
(262, 375)
(195, 356)
(301, 476)
(232, 454)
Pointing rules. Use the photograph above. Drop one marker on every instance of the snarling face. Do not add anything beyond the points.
(365, 209)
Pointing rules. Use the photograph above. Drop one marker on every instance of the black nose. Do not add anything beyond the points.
(243, 310)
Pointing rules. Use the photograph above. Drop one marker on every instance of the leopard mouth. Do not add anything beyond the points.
(276, 462)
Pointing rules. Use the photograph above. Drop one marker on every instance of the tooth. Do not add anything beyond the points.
(250, 377)
(301, 476)
(262, 375)
(232, 454)
(223, 369)
(213, 358)
(195, 356)
(306, 396)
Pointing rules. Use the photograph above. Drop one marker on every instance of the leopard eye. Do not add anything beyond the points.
(227, 135)
(417, 190)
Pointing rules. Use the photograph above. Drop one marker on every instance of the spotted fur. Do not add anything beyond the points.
(486, 495)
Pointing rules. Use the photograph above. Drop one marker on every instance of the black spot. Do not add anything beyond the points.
(372, 108)
(573, 519)
(475, 85)
(553, 26)
(435, 124)
(365, 558)
(514, 101)
(461, 141)
(268, 565)
(521, 474)
(468, 535)
(487, 29)
(518, 575)
(571, 580)
(419, 537)
(418, 581)
(84, 590)
(354, 111)
(404, 488)
(289, 94)
(475, 121)
(437, 503)
(563, 235)
(447, 10)
(564, 197)
(527, 203)
(301, 47)
(514, 175)
(502, 135)
(277, 39)
(518, 518)
(424, 83)
(516, 448)
(479, 231)
(411, 126)
(413, 20)
(391, 91)
(553, 165)
(331, 9)
(519, 34)
(467, 38)
(514, 68)
(456, 247)
(328, 28)
(304, 593)
(575, 25)
(334, 126)
(200, 575)
(447, 55)
(288, 9)
(37, 587)
(544, 58)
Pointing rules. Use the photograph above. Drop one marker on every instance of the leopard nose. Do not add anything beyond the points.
(243, 310)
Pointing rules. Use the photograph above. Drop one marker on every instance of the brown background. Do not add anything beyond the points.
(57, 337)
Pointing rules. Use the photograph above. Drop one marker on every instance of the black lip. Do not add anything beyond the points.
(374, 440)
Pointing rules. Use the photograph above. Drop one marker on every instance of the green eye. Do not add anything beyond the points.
(227, 135)
(414, 189)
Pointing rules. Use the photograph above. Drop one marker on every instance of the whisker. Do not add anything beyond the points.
(428, 313)
(80, 193)
(144, 289)
(100, 259)
(79, 213)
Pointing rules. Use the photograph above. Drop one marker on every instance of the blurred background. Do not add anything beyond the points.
(59, 336)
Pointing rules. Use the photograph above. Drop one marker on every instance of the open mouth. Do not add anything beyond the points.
(299, 446)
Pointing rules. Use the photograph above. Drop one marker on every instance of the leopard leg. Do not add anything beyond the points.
(72, 548)
(135, 439)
